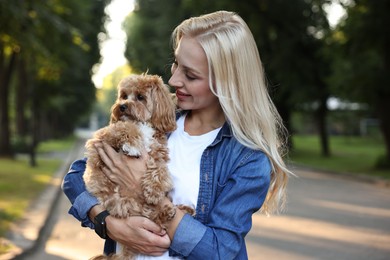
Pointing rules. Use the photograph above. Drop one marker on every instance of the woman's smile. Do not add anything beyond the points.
(180, 95)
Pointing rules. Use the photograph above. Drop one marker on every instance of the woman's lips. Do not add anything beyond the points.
(181, 95)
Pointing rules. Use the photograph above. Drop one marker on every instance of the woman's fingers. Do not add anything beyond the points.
(109, 174)
(111, 153)
(138, 234)
(121, 169)
(101, 149)
(149, 225)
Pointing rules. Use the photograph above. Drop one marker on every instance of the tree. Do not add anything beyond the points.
(360, 71)
(148, 31)
(290, 37)
(52, 45)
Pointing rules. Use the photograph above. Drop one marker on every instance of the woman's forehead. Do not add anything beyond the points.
(189, 53)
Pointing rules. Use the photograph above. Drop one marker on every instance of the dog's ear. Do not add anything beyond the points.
(114, 113)
(163, 118)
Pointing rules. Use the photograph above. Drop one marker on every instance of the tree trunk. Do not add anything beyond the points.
(21, 98)
(383, 108)
(5, 79)
(34, 137)
(321, 115)
(34, 127)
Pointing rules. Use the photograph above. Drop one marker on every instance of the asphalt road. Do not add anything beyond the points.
(328, 216)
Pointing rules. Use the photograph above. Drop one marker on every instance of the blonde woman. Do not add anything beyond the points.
(226, 154)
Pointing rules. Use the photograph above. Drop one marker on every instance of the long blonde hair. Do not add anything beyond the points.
(237, 79)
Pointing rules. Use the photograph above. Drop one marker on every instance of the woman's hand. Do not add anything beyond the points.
(139, 234)
(121, 169)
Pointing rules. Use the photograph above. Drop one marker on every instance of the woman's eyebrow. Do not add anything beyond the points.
(192, 70)
(187, 68)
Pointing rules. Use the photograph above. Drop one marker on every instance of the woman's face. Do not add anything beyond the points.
(190, 76)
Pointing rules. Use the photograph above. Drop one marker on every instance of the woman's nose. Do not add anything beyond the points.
(174, 80)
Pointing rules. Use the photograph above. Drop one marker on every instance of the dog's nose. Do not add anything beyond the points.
(123, 108)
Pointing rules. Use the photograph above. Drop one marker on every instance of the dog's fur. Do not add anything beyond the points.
(140, 119)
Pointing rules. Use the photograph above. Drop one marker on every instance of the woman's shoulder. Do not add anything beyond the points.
(235, 154)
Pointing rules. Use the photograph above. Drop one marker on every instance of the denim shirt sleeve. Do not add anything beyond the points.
(74, 188)
(230, 218)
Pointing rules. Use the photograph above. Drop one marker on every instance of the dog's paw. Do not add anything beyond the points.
(187, 209)
(131, 150)
(166, 214)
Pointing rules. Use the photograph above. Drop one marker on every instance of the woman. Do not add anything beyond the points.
(225, 154)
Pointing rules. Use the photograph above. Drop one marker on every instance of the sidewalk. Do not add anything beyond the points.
(27, 232)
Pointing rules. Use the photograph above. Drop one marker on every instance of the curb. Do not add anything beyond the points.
(25, 235)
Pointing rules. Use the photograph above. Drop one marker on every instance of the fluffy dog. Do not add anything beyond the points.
(140, 119)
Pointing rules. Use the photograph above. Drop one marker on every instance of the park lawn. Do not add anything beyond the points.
(20, 184)
(355, 155)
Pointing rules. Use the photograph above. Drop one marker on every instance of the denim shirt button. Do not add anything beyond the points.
(203, 208)
(206, 177)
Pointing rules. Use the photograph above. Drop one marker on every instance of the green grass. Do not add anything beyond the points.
(56, 145)
(20, 183)
(348, 154)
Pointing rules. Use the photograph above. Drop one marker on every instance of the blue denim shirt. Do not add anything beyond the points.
(234, 182)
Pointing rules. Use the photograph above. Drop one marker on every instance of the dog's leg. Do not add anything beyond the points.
(156, 182)
(165, 214)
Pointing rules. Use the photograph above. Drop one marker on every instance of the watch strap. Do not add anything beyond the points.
(100, 224)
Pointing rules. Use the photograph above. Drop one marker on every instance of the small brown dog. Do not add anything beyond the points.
(140, 119)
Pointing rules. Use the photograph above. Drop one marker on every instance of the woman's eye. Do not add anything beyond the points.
(190, 77)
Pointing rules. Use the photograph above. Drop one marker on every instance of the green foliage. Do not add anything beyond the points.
(55, 46)
(361, 61)
(148, 31)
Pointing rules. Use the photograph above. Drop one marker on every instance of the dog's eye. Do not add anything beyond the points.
(140, 97)
(123, 96)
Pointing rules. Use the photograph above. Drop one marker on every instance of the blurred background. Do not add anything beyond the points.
(327, 64)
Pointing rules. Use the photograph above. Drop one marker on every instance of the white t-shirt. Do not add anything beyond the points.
(185, 152)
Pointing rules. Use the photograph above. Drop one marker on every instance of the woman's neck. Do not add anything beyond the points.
(199, 122)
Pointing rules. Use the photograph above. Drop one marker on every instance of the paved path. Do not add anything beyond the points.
(328, 217)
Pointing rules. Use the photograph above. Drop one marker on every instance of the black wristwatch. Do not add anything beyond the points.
(100, 224)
